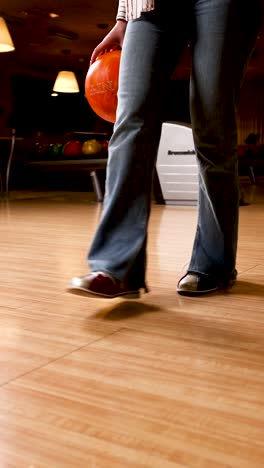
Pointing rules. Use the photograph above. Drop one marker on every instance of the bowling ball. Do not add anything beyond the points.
(72, 148)
(91, 147)
(101, 85)
(57, 149)
(40, 149)
(104, 144)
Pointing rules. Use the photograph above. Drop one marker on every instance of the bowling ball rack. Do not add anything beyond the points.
(37, 152)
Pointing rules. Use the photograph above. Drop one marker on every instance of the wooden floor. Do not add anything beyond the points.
(163, 382)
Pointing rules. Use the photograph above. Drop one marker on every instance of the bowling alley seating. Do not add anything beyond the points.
(45, 152)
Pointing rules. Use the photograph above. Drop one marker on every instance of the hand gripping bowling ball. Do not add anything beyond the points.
(72, 148)
(101, 85)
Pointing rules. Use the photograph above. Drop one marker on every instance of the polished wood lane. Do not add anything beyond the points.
(164, 382)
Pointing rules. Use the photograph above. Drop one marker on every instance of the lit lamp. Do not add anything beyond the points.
(66, 82)
(6, 43)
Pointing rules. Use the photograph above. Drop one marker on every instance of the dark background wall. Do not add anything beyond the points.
(27, 105)
(35, 109)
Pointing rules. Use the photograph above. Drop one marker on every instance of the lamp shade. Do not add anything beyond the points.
(66, 82)
(6, 43)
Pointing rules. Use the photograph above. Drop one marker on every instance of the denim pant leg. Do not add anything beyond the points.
(119, 245)
(225, 33)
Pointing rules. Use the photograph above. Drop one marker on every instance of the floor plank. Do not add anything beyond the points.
(28, 343)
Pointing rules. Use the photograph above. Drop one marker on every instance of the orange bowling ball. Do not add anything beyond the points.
(101, 85)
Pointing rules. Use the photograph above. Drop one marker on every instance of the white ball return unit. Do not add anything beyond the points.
(177, 166)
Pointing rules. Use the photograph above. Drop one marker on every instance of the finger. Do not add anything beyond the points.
(98, 52)
(95, 55)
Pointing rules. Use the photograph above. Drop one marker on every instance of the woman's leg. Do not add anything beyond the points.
(225, 33)
(148, 58)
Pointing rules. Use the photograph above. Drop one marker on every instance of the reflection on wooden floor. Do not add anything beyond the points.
(166, 381)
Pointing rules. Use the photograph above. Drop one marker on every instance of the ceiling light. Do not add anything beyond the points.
(53, 15)
(6, 43)
(54, 94)
(66, 82)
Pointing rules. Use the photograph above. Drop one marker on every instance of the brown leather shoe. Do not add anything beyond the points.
(102, 285)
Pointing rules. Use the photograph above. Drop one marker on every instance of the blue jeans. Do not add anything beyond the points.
(222, 34)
